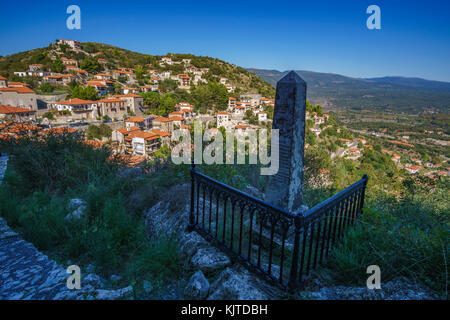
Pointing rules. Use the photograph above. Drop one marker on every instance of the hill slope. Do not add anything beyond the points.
(241, 79)
(398, 94)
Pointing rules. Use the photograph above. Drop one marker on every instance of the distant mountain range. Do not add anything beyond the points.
(396, 94)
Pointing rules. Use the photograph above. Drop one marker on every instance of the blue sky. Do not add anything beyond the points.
(322, 36)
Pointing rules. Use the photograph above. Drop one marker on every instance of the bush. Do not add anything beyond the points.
(46, 172)
(403, 238)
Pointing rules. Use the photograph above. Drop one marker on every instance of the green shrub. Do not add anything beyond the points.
(403, 238)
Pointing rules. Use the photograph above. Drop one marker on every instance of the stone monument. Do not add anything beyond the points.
(285, 188)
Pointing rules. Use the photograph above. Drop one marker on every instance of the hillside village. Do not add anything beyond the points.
(120, 100)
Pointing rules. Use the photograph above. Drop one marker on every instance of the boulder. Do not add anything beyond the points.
(396, 289)
(254, 192)
(93, 280)
(114, 294)
(77, 207)
(197, 287)
(210, 259)
(76, 203)
(115, 278)
(147, 286)
(237, 284)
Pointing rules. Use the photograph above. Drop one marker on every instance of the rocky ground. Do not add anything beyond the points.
(217, 278)
(26, 273)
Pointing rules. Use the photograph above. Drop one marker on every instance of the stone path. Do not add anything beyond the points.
(26, 273)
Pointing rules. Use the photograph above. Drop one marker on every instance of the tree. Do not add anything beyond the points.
(86, 93)
(166, 105)
(46, 87)
(48, 115)
(98, 132)
(168, 85)
(57, 66)
(151, 99)
(210, 95)
(90, 65)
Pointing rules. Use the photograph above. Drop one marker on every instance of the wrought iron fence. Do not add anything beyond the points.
(280, 246)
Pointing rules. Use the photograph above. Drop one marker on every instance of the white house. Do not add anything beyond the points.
(79, 108)
(223, 119)
(262, 116)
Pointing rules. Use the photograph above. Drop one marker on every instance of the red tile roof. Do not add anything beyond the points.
(135, 119)
(17, 89)
(76, 101)
(13, 110)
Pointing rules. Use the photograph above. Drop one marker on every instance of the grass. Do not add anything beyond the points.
(45, 173)
(406, 238)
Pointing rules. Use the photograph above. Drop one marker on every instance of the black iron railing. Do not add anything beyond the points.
(280, 246)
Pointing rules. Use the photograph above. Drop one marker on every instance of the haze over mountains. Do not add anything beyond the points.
(396, 94)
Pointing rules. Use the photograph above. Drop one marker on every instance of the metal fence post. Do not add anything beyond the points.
(191, 224)
(293, 276)
(366, 178)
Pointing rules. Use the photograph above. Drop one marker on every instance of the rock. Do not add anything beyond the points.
(397, 289)
(197, 287)
(90, 269)
(191, 243)
(147, 286)
(254, 192)
(93, 280)
(235, 284)
(115, 278)
(114, 294)
(210, 259)
(78, 208)
(76, 203)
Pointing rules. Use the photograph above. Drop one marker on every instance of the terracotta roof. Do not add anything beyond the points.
(162, 119)
(223, 113)
(12, 110)
(5, 124)
(76, 101)
(110, 100)
(3, 78)
(413, 167)
(17, 89)
(128, 95)
(61, 130)
(128, 130)
(129, 160)
(161, 133)
(135, 119)
(94, 143)
(144, 135)
(20, 127)
(176, 118)
(19, 84)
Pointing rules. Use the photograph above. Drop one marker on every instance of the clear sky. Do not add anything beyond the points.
(323, 36)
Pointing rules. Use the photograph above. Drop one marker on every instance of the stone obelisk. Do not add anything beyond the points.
(285, 188)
